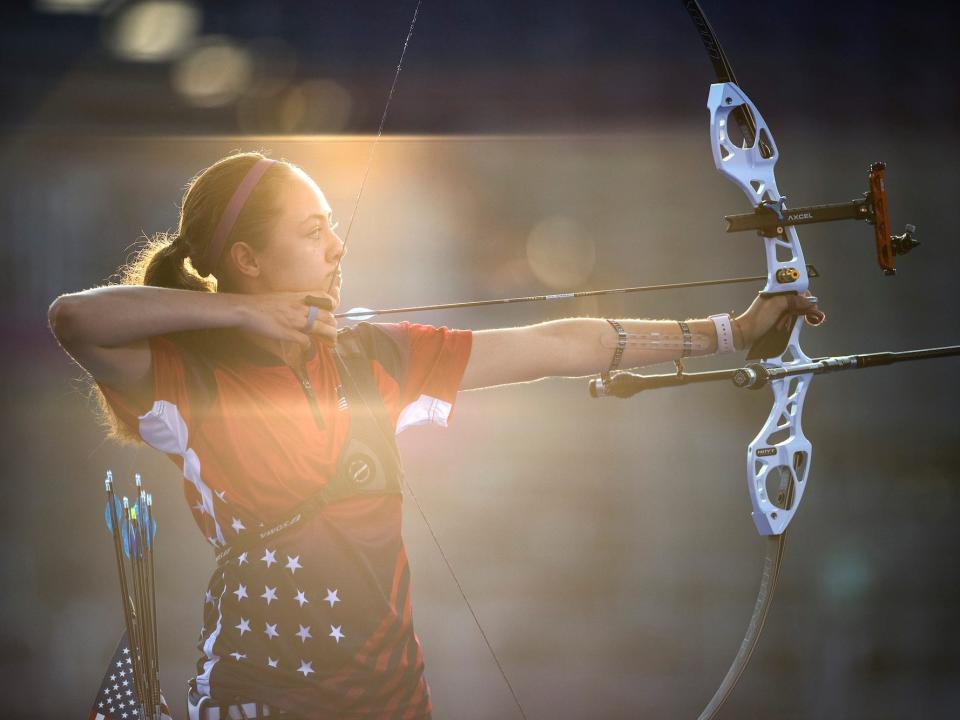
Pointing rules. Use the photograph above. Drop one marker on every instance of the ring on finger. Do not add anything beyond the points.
(311, 318)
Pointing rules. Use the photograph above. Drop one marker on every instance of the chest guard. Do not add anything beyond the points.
(369, 462)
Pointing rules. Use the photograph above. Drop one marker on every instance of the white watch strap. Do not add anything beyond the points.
(724, 333)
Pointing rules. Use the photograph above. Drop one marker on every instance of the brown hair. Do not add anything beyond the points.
(167, 259)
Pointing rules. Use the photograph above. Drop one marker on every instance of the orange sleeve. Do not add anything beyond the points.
(169, 382)
(438, 358)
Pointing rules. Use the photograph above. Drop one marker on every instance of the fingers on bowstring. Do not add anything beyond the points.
(300, 338)
(326, 318)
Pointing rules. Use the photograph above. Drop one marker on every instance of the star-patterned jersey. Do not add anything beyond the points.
(317, 621)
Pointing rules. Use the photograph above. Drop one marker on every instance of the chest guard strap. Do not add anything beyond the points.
(369, 463)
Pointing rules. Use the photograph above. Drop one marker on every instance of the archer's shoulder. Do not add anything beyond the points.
(388, 343)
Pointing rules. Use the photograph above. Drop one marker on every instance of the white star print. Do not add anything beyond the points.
(242, 559)
(293, 564)
(238, 656)
(243, 627)
(269, 594)
(303, 633)
(269, 557)
(113, 677)
(221, 494)
(271, 630)
(305, 667)
(332, 597)
(126, 651)
(273, 663)
(208, 597)
(237, 525)
(301, 598)
(336, 634)
(241, 591)
(200, 508)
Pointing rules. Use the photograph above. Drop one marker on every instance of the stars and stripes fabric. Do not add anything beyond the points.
(320, 621)
(117, 697)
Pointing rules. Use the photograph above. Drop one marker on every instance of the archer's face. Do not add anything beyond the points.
(304, 249)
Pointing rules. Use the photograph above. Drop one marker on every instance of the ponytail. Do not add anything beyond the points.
(164, 262)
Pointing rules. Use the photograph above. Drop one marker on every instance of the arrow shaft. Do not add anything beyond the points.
(366, 313)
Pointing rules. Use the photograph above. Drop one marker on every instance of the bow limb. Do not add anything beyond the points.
(778, 459)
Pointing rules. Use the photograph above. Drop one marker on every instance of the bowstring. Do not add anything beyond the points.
(333, 279)
(376, 141)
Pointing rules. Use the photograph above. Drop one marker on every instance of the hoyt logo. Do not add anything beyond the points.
(766, 452)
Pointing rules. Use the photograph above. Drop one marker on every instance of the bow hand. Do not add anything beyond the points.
(766, 326)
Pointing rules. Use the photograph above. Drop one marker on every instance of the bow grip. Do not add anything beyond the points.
(774, 341)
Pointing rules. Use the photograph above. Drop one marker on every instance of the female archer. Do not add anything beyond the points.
(220, 349)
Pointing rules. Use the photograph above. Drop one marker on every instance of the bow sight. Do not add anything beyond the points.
(770, 218)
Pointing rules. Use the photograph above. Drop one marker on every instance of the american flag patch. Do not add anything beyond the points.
(341, 399)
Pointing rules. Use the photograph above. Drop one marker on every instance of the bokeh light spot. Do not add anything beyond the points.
(213, 74)
(560, 253)
(154, 31)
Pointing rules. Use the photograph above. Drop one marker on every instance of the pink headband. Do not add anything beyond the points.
(211, 258)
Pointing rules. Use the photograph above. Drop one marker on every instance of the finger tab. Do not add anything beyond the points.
(320, 302)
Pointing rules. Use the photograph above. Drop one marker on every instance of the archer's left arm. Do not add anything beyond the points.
(579, 347)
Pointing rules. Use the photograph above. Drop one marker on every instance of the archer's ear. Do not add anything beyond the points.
(244, 260)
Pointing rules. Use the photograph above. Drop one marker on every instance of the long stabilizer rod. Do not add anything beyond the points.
(757, 375)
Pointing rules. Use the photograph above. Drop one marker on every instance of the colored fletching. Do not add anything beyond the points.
(109, 516)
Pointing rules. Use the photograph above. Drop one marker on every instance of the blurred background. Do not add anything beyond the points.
(531, 147)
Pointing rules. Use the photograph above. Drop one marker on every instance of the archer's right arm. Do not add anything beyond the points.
(106, 329)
